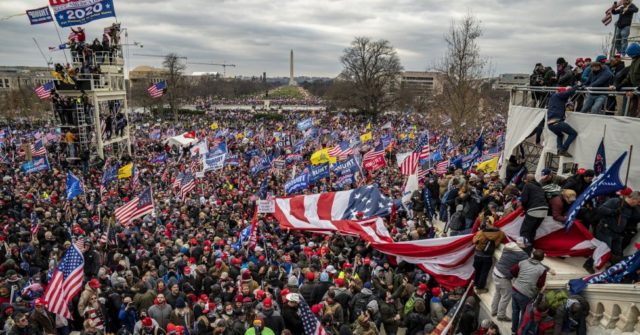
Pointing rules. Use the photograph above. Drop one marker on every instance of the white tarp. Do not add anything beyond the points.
(180, 140)
(621, 133)
(520, 124)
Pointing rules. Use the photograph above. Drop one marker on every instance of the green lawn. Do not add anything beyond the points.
(286, 92)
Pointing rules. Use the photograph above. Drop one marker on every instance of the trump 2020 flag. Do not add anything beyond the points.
(74, 187)
(614, 274)
(297, 184)
(600, 162)
(607, 182)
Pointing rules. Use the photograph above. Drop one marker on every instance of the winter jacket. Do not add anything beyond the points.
(565, 76)
(530, 276)
(45, 321)
(415, 323)
(558, 208)
(569, 322)
(544, 321)
(557, 105)
(602, 78)
(533, 199)
(273, 319)
(625, 15)
(85, 297)
(388, 313)
(306, 290)
(608, 211)
(292, 320)
(576, 183)
(437, 310)
(142, 301)
(632, 79)
(161, 314)
(511, 255)
(482, 237)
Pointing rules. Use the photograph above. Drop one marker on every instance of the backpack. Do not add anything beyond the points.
(360, 305)
(457, 221)
(489, 247)
(531, 327)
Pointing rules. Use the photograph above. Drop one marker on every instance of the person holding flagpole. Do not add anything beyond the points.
(619, 219)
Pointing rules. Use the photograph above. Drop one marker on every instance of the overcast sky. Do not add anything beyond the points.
(258, 34)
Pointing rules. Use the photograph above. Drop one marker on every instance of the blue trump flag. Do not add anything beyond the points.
(614, 274)
(600, 162)
(605, 183)
(318, 172)
(305, 124)
(297, 184)
(35, 165)
(349, 166)
(244, 236)
(74, 187)
(475, 153)
(160, 159)
(110, 174)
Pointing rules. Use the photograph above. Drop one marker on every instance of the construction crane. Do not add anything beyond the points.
(224, 66)
(162, 56)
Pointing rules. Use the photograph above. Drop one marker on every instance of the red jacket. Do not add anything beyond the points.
(544, 321)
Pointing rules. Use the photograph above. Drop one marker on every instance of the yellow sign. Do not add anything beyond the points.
(322, 157)
(125, 171)
(488, 166)
(214, 126)
(366, 137)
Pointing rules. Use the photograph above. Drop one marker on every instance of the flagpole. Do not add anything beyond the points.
(60, 39)
(626, 179)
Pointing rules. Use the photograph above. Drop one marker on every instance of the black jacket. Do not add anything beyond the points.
(533, 196)
(291, 319)
(626, 16)
(618, 222)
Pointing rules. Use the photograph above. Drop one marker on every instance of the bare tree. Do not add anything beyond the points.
(462, 73)
(175, 67)
(374, 69)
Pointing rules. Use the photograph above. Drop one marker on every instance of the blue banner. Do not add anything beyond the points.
(345, 180)
(318, 172)
(213, 162)
(81, 12)
(39, 15)
(263, 164)
(305, 124)
(349, 166)
(614, 274)
(74, 187)
(232, 160)
(38, 164)
(297, 184)
(605, 183)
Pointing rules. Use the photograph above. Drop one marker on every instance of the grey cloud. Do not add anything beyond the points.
(258, 34)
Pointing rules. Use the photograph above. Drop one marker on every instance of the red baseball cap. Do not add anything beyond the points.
(94, 283)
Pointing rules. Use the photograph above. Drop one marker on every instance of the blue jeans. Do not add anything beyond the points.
(561, 128)
(519, 303)
(594, 104)
(621, 39)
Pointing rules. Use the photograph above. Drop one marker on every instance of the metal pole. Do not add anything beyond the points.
(60, 39)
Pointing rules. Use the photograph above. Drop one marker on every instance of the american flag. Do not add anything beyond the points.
(423, 147)
(194, 165)
(44, 91)
(135, 181)
(409, 164)
(374, 153)
(441, 168)
(310, 324)
(341, 150)
(187, 184)
(65, 282)
(165, 175)
(35, 224)
(37, 150)
(139, 206)
(422, 173)
(177, 181)
(157, 90)
(73, 36)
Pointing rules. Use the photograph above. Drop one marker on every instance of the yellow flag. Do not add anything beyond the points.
(366, 137)
(214, 126)
(369, 125)
(402, 136)
(321, 157)
(412, 135)
(125, 171)
(488, 166)
(240, 136)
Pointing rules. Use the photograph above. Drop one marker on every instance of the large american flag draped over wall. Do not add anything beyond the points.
(157, 90)
(310, 323)
(66, 282)
(137, 207)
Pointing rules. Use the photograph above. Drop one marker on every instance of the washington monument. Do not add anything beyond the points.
(292, 82)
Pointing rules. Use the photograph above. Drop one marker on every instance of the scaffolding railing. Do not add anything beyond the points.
(112, 57)
(538, 96)
(93, 82)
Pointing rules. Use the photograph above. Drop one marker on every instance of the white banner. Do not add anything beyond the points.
(213, 163)
(266, 206)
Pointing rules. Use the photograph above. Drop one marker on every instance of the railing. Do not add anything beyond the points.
(113, 57)
(538, 97)
(614, 306)
(93, 82)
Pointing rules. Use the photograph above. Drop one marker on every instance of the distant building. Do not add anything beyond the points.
(509, 80)
(16, 77)
(421, 83)
(146, 75)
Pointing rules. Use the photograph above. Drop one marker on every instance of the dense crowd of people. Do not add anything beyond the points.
(183, 270)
